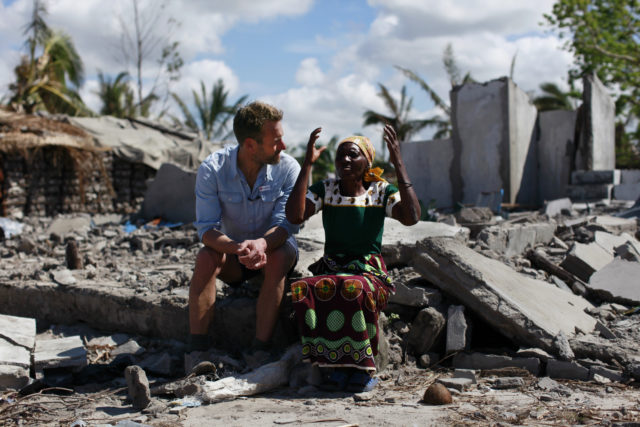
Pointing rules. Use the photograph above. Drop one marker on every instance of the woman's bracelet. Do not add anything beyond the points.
(406, 184)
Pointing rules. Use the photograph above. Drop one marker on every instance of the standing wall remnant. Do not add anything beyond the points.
(428, 164)
(596, 143)
(493, 125)
(556, 136)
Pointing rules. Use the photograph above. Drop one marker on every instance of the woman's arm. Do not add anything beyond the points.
(298, 208)
(407, 211)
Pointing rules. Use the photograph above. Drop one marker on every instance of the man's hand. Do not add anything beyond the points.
(252, 253)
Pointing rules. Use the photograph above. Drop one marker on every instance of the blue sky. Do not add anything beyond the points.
(318, 60)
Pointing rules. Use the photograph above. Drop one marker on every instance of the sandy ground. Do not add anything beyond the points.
(396, 401)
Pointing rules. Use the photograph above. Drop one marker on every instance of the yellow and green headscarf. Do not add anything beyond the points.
(365, 145)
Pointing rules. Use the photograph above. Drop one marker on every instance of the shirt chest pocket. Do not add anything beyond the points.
(231, 204)
(270, 196)
(230, 197)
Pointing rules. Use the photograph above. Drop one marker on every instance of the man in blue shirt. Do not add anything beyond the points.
(241, 193)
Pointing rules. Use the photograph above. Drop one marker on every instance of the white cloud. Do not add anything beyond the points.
(309, 73)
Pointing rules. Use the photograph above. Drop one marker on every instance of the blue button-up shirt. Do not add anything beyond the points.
(225, 202)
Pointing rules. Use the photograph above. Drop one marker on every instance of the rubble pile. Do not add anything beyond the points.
(483, 301)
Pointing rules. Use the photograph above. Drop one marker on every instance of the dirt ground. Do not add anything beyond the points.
(396, 401)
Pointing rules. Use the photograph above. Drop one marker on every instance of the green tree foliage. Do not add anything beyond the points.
(213, 113)
(554, 98)
(50, 75)
(603, 36)
(116, 95)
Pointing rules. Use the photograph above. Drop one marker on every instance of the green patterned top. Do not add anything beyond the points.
(353, 225)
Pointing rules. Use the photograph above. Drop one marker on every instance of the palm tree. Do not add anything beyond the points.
(49, 81)
(116, 95)
(399, 117)
(213, 113)
(442, 122)
(553, 98)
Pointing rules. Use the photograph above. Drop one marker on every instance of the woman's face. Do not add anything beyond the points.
(350, 162)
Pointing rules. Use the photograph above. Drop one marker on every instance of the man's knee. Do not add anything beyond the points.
(281, 260)
(208, 263)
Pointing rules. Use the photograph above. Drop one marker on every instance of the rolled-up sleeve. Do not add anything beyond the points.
(278, 216)
(208, 210)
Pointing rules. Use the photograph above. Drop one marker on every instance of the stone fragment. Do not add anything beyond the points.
(567, 370)
(425, 329)
(13, 377)
(534, 352)
(557, 207)
(64, 277)
(138, 386)
(564, 349)
(79, 224)
(516, 239)
(415, 296)
(437, 394)
(469, 374)
(504, 383)
(458, 332)
(20, 331)
(130, 347)
(460, 384)
(611, 374)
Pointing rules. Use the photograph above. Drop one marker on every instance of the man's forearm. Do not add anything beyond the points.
(219, 242)
(275, 237)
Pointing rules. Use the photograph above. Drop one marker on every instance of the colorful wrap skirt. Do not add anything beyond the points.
(337, 310)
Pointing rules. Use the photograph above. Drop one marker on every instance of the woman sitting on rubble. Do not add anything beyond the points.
(337, 310)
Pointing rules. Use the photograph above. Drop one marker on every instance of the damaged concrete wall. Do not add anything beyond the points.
(556, 135)
(493, 124)
(428, 164)
(596, 144)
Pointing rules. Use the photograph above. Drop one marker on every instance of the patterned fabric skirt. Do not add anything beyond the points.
(337, 311)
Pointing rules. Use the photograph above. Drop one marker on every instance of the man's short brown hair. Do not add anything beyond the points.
(249, 120)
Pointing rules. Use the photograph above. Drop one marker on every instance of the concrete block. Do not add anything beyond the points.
(583, 260)
(567, 370)
(14, 355)
(458, 332)
(614, 225)
(516, 239)
(556, 207)
(68, 352)
(580, 177)
(587, 192)
(610, 242)
(428, 164)
(629, 176)
(618, 281)
(493, 145)
(170, 195)
(596, 143)
(20, 331)
(415, 296)
(466, 373)
(63, 226)
(505, 383)
(555, 151)
(612, 374)
(627, 191)
(528, 311)
(493, 361)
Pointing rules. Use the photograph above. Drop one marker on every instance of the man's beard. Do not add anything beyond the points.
(273, 160)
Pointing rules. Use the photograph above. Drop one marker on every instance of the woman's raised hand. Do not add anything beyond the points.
(312, 151)
(391, 138)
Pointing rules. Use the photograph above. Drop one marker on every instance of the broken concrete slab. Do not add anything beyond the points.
(14, 355)
(170, 195)
(516, 239)
(609, 241)
(68, 352)
(18, 330)
(13, 377)
(567, 370)
(618, 281)
(526, 310)
(494, 361)
(415, 296)
(583, 260)
(612, 224)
